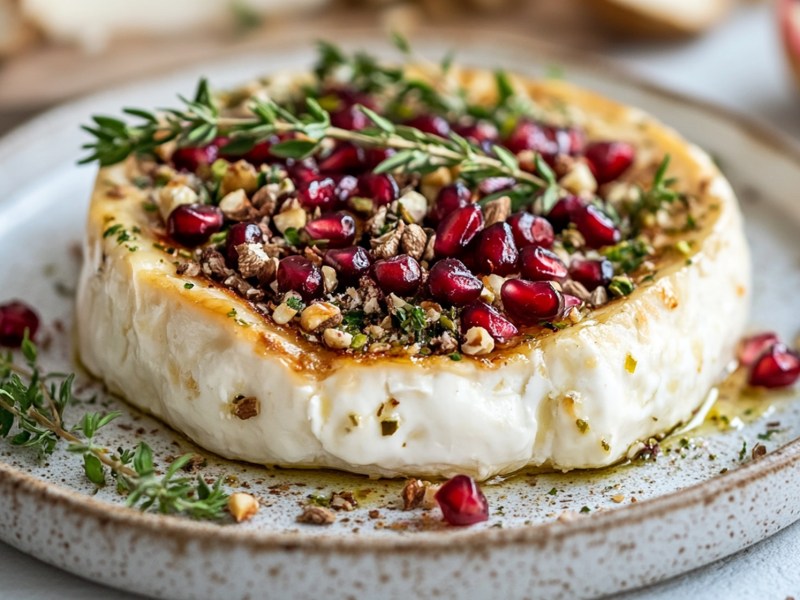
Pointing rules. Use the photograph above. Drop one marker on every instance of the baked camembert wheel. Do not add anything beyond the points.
(410, 271)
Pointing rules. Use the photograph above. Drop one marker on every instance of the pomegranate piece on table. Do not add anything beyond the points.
(462, 502)
(750, 348)
(776, 367)
(16, 318)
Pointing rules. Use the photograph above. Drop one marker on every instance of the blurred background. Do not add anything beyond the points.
(738, 53)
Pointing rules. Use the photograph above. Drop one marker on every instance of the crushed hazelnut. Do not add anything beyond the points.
(337, 339)
(618, 498)
(236, 207)
(414, 493)
(598, 297)
(415, 205)
(242, 506)
(291, 215)
(343, 501)
(241, 175)
(316, 515)
(173, 195)
(497, 210)
(477, 341)
(388, 244)
(245, 407)
(329, 278)
(579, 179)
(413, 241)
(319, 316)
(283, 313)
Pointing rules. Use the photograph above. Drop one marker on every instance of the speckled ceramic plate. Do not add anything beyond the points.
(549, 535)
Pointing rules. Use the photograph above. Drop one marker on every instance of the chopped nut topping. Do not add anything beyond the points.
(414, 493)
(413, 241)
(343, 501)
(329, 279)
(579, 179)
(388, 244)
(316, 515)
(291, 215)
(236, 207)
(241, 175)
(246, 407)
(337, 339)
(320, 316)
(598, 297)
(174, 194)
(283, 313)
(242, 506)
(497, 210)
(477, 342)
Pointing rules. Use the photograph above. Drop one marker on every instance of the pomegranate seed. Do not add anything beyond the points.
(752, 347)
(540, 264)
(350, 263)
(383, 189)
(15, 318)
(238, 234)
(450, 281)
(345, 157)
(192, 158)
(450, 198)
(777, 367)
(480, 314)
(433, 124)
(531, 230)
(351, 118)
(318, 192)
(492, 185)
(462, 501)
(298, 274)
(375, 156)
(303, 172)
(547, 140)
(609, 160)
(193, 224)
(338, 229)
(571, 301)
(346, 187)
(478, 132)
(529, 302)
(399, 275)
(564, 211)
(596, 227)
(496, 251)
(457, 230)
(257, 155)
(591, 273)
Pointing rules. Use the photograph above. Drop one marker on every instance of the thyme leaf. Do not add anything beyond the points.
(32, 406)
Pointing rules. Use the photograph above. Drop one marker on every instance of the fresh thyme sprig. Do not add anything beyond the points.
(34, 408)
(199, 123)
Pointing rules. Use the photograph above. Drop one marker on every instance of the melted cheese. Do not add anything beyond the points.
(578, 398)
